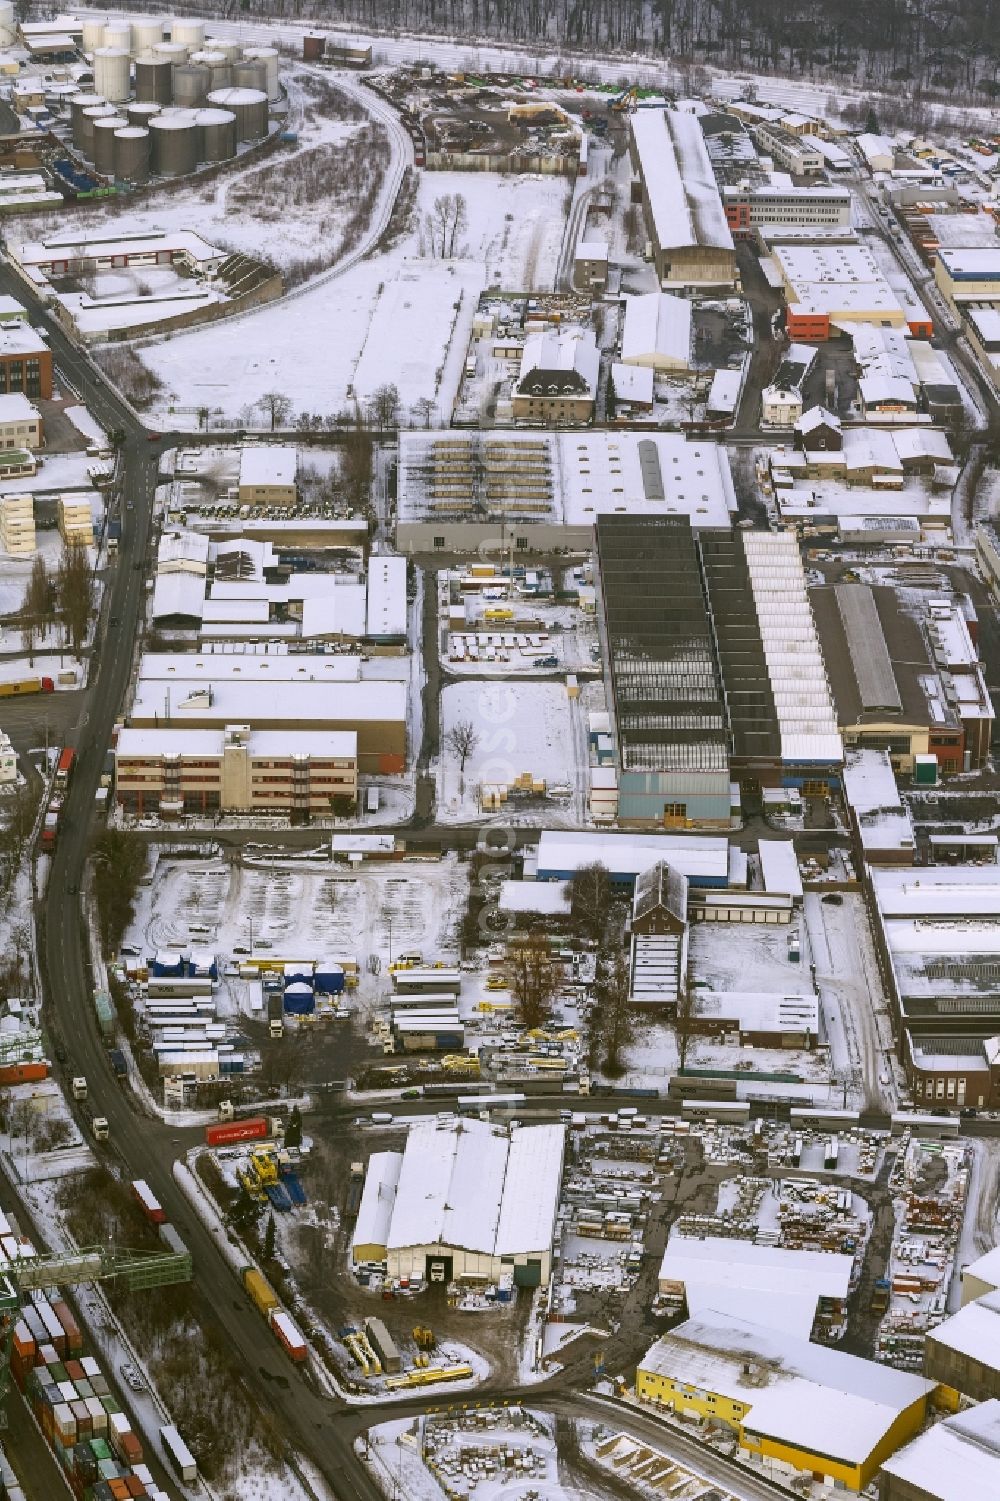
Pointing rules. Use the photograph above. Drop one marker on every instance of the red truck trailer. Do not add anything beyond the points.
(253, 1128)
(148, 1202)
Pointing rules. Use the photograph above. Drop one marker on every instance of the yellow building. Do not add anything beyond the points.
(799, 1407)
(76, 520)
(17, 524)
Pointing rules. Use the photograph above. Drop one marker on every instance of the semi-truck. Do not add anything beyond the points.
(16, 687)
(79, 1088)
(251, 1128)
(148, 1202)
(100, 1128)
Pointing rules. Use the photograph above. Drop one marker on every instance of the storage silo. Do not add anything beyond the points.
(231, 51)
(117, 34)
(146, 33)
(269, 57)
(173, 53)
(93, 33)
(218, 134)
(131, 153)
(153, 79)
(313, 48)
(83, 135)
(250, 75)
(250, 108)
(174, 144)
(104, 143)
(220, 69)
(112, 74)
(190, 84)
(191, 33)
(141, 111)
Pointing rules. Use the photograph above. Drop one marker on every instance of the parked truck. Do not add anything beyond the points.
(260, 1291)
(79, 1087)
(275, 1013)
(251, 1128)
(17, 687)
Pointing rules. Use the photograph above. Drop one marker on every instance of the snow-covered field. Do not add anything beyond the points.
(520, 727)
(343, 333)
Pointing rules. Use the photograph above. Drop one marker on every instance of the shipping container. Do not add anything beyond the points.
(289, 1336)
(178, 1455)
(253, 1128)
(260, 1291)
(148, 1202)
(20, 686)
(23, 1073)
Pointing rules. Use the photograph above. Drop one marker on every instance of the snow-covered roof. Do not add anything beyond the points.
(657, 325)
(339, 611)
(922, 443)
(20, 339)
(288, 743)
(817, 417)
(17, 408)
(472, 1185)
(250, 667)
(779, 867)
(955, 1459)
(725, 1274)
(974, 1331)
(810, 1396)
(807, 719)
(386, 607)
(377, 1199)
(870, 789)
(938, 891)
(178, 594)
(761, 1010)
(725, 391)
(649, 474)
(591, 250)
(268, 465)
(546, 897)
(680, 184)
(895, 389)
(571, 349)
(985, 1268)
(226, 702)
(633, 383)
(76, 247)
(701, 859)
(179, 550)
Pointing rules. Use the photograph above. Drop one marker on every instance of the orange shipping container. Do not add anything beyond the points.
(23, 1073)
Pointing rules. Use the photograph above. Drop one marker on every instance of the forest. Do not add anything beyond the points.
(921, 47)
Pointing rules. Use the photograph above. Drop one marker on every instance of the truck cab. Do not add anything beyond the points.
(101, 1129)
(79, 1087)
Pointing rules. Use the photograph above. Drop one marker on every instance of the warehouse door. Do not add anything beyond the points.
(438, 1269)
(528, 1275)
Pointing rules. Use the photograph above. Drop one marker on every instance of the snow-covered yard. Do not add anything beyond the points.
(521, 729)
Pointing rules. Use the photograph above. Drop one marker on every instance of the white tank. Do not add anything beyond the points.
(231, 51)
(93, 33)
(146, 32)
(8, 24)
(170, 52)
(117, 34)
(191, 33)
(269, 57)
(112, 74)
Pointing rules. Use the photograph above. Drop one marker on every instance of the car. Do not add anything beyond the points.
(73, 890)
(968, 1113)
(131, 1377)
(114, 620)
(240, 948)
(153, 437)
(132, 950)
(833, 899)
(60, 1053)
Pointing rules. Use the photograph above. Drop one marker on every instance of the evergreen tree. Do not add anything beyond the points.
(293, 1131)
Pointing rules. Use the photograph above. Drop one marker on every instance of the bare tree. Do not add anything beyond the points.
(384, 406)
(613, 1013)
(75, 591)
(422, 409)
(461, 740)
(443, 224)
(589, 893)
(36, 609)
(356, 467)
(533, 977)
(277, 407)
(685, 1025)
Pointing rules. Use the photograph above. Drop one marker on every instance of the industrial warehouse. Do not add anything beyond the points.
(465, 1202)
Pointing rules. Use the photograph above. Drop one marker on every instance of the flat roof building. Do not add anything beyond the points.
(267, 476)
(832, 287)
(704, 860)
(963, 1352)
(789, 1290)
(692, 243)
(657, 331)
(796, 1407)
(881, 820)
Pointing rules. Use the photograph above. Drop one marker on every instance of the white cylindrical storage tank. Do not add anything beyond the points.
(112, 74)
(104, 143)
(117, 34)
(250, 108)
(153, 79)
(231, 51)
(269, 57)
(8, 24)
(218, 134)
(141, 111)
(83, 134)
(220, 69)
(170, 52)
(174, 144)
(190, 83)
(132, 154)
(191, 33)
(250, 75)
(93, 33)
(146, 33)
